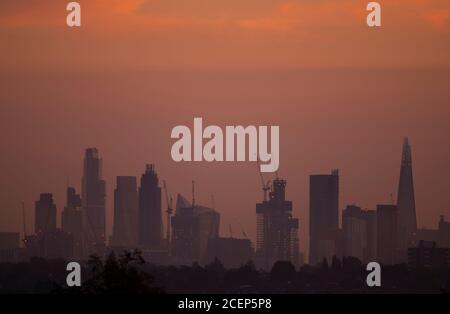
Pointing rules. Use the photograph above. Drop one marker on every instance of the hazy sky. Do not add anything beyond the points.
(344, 96)
(224, 33)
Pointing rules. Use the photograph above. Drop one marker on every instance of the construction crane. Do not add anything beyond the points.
(265, 185)
(169, 210)
(243, 231)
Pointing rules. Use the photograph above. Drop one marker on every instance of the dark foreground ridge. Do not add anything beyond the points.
(128, 273)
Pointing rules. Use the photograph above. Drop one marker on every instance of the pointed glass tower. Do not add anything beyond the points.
(407, 224)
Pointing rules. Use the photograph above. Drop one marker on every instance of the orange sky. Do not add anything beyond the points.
(137, 68)
(224, 33)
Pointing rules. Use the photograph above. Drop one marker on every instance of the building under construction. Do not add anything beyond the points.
(193, 226)
(277, 230)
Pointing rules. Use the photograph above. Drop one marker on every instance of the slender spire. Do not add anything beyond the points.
(407, 223)
(406, 154)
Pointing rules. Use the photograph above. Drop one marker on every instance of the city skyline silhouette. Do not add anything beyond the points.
(98, 103)
(139, 209)
(311, 140)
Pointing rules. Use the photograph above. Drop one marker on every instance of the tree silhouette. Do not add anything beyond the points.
(119, 275)
(282, 271)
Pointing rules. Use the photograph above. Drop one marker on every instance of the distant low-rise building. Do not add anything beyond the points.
(54, 244)
(9, 246)
(428, 255)
(441, 235)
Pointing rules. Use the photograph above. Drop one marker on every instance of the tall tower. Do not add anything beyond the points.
(277, 229)
(93, 204)
(150, 216)
(125, 228)
(45, 213)
(71, 220)
(407, 224)
(323, 216)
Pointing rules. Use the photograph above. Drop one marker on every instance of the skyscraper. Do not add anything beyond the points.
(277, 230)
(73, 200)
(93, 203)
(45, 213)
(125, 226)
(71, 220)
(150, 216)
(323, 216)
(387, 216)
(407, 224)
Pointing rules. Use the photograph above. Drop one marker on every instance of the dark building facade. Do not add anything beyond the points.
(277, 231)
(93, 204)
(428, 255)
(125, 226)
(45, 213)
(53, 244)
(359, 233)
(371, 224)
(407, 224)
(9, 240)
(150, 215)
(443, 233)
(71, 220)
(9, 247)
(387, 251)
(193, 227)
(323, 216)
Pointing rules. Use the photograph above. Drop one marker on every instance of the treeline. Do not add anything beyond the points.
(128, 273)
